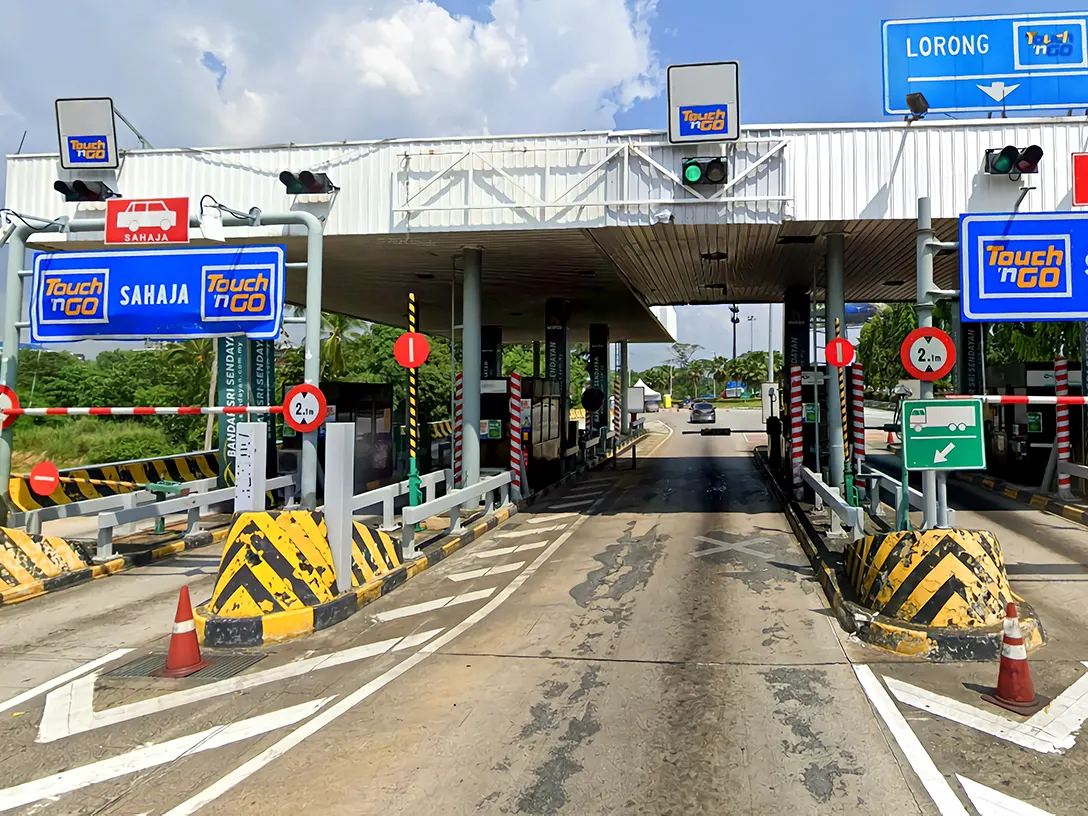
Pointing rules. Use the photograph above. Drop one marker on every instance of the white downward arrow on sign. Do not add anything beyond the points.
(1050, 731)
(942, 455)
(998, 90)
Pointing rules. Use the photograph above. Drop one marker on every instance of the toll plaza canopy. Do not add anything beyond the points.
(599, 218)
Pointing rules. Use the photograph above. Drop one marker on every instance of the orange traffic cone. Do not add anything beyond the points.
(183, 658)
(1014, 691)
(891, 438)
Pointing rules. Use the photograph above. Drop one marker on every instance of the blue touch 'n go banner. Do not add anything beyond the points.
(158, 294)
(1024, 266)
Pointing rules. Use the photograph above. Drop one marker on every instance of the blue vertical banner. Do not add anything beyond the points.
(232, 355)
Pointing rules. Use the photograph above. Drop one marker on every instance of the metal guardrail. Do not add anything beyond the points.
(33, 519)
(190, 505)
(878, 483)
(387, 496)
(840, 512)
(453, 503)
(1073, 469)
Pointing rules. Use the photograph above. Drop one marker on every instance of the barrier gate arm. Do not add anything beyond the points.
(17, 236)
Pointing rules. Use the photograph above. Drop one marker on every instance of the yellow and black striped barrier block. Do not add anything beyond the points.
(31, 566)
(577, 413)
(442, 429)
(95, 482)
(915, 580)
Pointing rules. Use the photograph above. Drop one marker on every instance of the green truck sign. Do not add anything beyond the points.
(943, 435)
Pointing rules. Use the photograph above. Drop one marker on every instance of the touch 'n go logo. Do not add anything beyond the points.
(1017, 266)
(242, 292)
(88, 150)
(697, 119)
(74, 297)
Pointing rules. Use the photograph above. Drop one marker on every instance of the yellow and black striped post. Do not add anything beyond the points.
(414, 491)
(848, 471)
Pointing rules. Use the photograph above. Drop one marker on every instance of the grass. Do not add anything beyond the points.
(86, 441)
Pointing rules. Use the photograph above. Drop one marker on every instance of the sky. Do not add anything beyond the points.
(193, 73)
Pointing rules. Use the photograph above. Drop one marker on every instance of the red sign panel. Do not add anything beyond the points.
(928, 354)
(411, 350)
(1080, 179)
(44, 478)
(147, 221)
(840, 352)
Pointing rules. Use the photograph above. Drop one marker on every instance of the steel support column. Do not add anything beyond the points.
(471, 347)
(835, 307)
(925, 304)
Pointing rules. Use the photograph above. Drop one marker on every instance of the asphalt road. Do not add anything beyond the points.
(647, 641)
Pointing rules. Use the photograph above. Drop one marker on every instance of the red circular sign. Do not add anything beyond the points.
(839, 352)
(928, 354)
(8, 399)
(304, 408)
(411, 349)
(44, 478)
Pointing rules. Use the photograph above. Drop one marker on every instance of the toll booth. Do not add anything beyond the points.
(1019, 437)
(370, 407)
(541, 436)
(494, 427)
(814, 419)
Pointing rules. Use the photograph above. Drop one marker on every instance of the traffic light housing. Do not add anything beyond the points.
(1013, 161)
(307, 183)
(80, 190)
(704, 171)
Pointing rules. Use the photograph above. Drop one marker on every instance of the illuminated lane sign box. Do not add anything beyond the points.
(88, 137)
(158, 294)
(704, 102)
(1024, 266)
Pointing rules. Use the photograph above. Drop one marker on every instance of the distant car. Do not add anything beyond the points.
(702, 412)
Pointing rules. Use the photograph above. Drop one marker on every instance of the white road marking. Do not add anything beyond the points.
(149, 756)
(586, 492)
(569, 505)
(935, 784)
(552, 517)
(508, 550)
(480, 573)
(534, 531)
(737, 546)
(989, 802)
(70, 710)
(1050, 731)
(247, 769)
(437, 603)
(60, 680)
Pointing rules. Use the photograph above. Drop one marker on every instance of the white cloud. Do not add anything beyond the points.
(338, 70)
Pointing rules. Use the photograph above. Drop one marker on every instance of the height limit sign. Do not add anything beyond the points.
(928, 354)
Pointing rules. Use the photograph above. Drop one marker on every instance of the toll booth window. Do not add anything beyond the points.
(536, 422)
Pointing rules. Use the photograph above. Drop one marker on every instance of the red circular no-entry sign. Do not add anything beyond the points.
(928, 354)
(304, 408)
(411, 350)
(8, 400)
(840, 352)
(44, 478)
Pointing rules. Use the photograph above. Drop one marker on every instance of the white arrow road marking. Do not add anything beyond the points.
(247, 769)
(480, 573)
(942, 455)
(989, 802)
(148, 757)
(998, 90)
(437, 603)
(932, 779)
(508, 550)
(739, 546)
(534, 531)
(60, 680)
(70, 710)
(1050, 731)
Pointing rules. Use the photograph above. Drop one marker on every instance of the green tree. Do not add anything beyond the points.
(201, 355)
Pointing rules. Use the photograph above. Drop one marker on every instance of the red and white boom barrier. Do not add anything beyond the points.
(142, 410)
(1020, 399)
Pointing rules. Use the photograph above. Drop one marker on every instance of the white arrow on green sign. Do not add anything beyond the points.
(943, 435)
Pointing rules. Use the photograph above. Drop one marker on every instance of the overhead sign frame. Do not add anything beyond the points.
(986, 63)
(87, 133)
(997, 287)
(704, 102)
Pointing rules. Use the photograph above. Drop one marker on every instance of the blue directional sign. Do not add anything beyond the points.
(1024, 266)
(157, 294)
(1011, 62)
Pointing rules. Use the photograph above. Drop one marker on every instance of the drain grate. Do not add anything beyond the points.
(219, 667)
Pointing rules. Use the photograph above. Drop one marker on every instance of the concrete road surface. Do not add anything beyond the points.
(645, 641)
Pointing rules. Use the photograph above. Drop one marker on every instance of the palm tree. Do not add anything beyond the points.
(202, 354)
(336, 328)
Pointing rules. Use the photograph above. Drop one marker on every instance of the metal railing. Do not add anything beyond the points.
(191, 505)
(1073, 469)
(839, 511)
(387, 496)
(878, 483)
(453, 502)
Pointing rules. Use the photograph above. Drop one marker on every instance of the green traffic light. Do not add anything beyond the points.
(693, 173)
(1003, 161)
(292, 183)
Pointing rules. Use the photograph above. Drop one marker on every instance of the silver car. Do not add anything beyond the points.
(702, 412)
